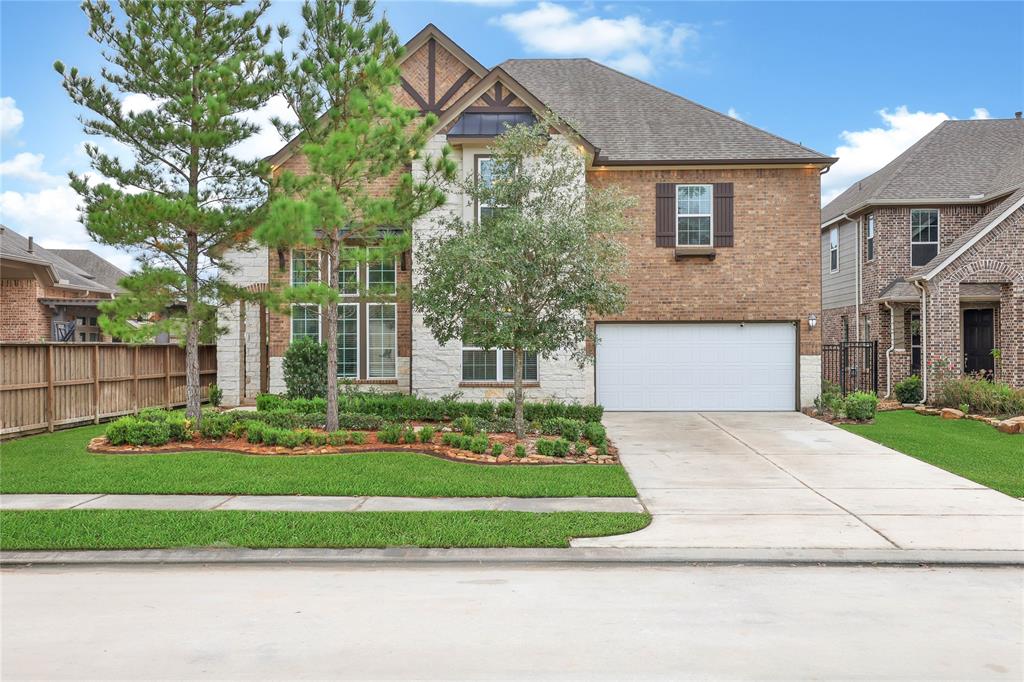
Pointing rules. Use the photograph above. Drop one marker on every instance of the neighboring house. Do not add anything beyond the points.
(722, 257)
(926, 256)
(51, 294)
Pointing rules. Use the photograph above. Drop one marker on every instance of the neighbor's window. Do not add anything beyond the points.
(871, 236)
(305, 267)
(382, 341)
(380, 278)
(305, 322)
(348, 273)
(693, 215)
(924, 235)
(479, 364)
(833, 249)
(348, 340)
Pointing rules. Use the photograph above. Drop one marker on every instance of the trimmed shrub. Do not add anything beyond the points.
(358, 438)
(269, 401)
(496, 425)
(137, 431)
(255, 431)
(339, 438)
(215, 425)
(292, 439)
(983, 396)
(409, 435)
(466, 424)
(402, 407)
(305, 369)
(497, 449)
(426, 434)
(861, 406)
(595, 433)
(580, 448)
(389, 434)
(317, 439)
(238, 428)
(215, 395)
(559, 447)
(153, 414)
(180, 428)
(569, 429)
(362, 422)
(520, 450)
(477, 444)
(602, 449)
(909, 390)
(830, 400)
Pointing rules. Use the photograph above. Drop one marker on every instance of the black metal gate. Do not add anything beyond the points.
(851, 365)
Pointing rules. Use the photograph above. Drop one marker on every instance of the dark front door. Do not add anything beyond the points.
(978, 341)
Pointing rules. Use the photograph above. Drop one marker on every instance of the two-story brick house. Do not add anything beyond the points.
(722, 253)
(926, 256)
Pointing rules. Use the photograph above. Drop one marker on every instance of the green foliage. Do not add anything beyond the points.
(909, 390)
(317, 439)
(364, 422)
(390, 433)
(569, 429)
(269, 401)
(497, 449)
(402, 407)
(602, 449)
(409, 435)
(339, 438)
(215, 425)
(477, 443)
(358, 438)
(830, 401)
(215, 395)
(174, 192)
(559, 447)
(305, 369)
(506, 282)
(466, 424)
(426, 434)
(520, 450)
(136, 431)
(860, 406)
(983, 396)
(595, 433)
(255, 430)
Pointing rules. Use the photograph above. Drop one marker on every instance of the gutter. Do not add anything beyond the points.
(889, 350)
(924, 339)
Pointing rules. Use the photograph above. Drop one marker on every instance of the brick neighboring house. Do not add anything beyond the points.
(722, 258)
(926, 256)
(51, 294)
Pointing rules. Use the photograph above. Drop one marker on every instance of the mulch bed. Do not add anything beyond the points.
(100, 445)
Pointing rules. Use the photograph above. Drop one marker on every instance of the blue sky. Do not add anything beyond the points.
(861, 80)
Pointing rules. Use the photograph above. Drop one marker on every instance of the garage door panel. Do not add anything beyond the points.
(702, 366)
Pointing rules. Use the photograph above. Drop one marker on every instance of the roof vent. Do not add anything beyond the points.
(31, 246)
(1017, 114)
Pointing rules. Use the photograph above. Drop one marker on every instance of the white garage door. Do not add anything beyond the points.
(699, 366)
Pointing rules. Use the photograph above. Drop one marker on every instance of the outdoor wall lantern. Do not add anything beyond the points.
(812, 321)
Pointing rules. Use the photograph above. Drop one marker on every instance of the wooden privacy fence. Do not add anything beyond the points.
(51, 385)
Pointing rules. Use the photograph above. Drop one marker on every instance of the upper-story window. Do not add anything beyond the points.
(485, 177)
(381, 277)
(305, 267)
(694, 218)
(348, 273)
(924, 235)
(870, 229)
(833, 249)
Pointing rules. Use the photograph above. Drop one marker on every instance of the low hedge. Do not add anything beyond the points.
(981, 396)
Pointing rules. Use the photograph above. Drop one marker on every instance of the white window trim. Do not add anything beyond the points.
(710, 215)
(869, 229)
(359, 338)
(394, 288)
(291, 264)
(291, 321)
(499, 371)
(480, 158)
(938, 232)
(833, 246)
(359, 269)
(394, 335)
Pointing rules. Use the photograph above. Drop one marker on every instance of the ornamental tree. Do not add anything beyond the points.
(542, 262)
(182, 197)
(358, 144)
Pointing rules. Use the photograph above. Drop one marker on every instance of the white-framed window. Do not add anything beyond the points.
(865, 328)
(833, 249)
(870, 229)
(348, 273)
(924, 235)
(305, 267)
(382, 340)
(694, 215)
(381, 278)
(485, 177)
(480, 364)
(348, 340)
(305, 321)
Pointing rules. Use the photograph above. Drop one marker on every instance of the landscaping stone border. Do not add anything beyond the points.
(1010, 425)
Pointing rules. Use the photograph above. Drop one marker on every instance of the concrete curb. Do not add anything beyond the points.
(579, 555)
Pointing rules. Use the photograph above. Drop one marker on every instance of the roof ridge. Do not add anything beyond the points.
(906, 157)
(698, 104)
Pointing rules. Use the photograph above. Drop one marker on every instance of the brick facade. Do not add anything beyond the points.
(22, 316)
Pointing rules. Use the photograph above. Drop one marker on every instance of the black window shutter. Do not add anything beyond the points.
(665, 214)
(723, 214)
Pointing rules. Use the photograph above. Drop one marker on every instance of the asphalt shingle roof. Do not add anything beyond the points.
(630, 120)
(956, 161)
(15, 247)
(105, 272)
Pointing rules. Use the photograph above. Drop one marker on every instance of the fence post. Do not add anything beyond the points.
(50, 407)
(874, 365)
(135, 379)
(843, 353)
(96, 383)
(167, 375)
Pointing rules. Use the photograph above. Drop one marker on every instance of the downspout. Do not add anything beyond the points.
(889, 350)
(924, 339)
(856, 302)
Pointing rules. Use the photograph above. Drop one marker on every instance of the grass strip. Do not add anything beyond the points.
(59, 463)
(138, 529)
(964, 447)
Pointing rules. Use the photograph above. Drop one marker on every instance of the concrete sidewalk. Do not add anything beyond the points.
(293, 503)
(784, 480)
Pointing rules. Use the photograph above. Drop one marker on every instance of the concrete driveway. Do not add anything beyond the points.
(785, 480)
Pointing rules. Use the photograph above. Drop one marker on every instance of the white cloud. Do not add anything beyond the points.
(28, 167)
(266, 141)
(735, 114)
(627, 43)
(981, 113)
(11, 117)
(136, 103)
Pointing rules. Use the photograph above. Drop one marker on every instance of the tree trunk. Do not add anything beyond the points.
(517, 391)
(193, 396)
(330, 328)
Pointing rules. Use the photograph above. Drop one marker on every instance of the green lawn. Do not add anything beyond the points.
(968, 448)
(59, 463)
(134, 529)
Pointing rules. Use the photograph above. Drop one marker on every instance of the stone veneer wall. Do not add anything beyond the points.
(240, 385)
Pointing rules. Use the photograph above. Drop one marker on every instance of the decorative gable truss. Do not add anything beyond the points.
(436, 72)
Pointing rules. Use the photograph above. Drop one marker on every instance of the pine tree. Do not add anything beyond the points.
(339, 83)
(183, 197)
